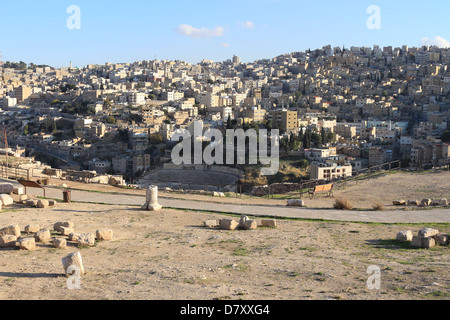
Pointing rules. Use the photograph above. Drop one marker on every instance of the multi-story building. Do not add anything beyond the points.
(136, 98)
(172, 95)
(329, 171)
(285, 120)
(141, 163)
(22, 93)
(377, 156)
(254, 114)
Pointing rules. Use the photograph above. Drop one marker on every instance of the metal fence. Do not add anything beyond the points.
(11, 172)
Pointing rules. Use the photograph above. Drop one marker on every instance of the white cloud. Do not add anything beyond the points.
(226, 45)
(436, 41)
(197, 33)
(247, 24)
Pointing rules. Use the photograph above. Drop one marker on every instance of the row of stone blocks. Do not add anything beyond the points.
(243, 224)
(426, 238)
(11, 236)
(423, 203)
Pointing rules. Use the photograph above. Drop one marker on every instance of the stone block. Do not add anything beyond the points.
(399, 202)
(42, 235)
(249, 224)
(211, 224)
(6, 188)
(12, 230)
(423, 242)
(8, 241)
(406, 235)
(428, 243)
(442, 239)
(31, 203)
(228, 224)
(104, 234)
(68, 224)
(86, 240)
(65, 231)
(74, 237)
(427, 232)
(435, 202)
(32, 228)
(27, 244)
(269, 223)
(413, 202)
(6, 200)
(296, 203)
(59, 243)
(42, 203)
(73, 260)
(425, 202)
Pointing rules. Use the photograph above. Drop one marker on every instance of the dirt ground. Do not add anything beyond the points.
(169, 255)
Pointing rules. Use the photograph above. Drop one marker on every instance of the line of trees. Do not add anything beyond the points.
(307, 139)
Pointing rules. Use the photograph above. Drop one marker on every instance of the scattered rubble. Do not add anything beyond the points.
(11, 236)
(243, 224)
(426, 238)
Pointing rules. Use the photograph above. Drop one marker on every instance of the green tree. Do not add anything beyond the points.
(446, 136)
(156, 138)
(111, 120)
(229, 125)
(307, 139)
(323, 136)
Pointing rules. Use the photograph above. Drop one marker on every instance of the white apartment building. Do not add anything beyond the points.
(329, 171)
(9, 102)
(136, 98)
(172, 95)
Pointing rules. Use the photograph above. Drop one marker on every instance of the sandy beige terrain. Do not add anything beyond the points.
(169, 255)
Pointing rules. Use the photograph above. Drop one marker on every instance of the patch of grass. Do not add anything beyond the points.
(310, 249)
(437, 294)
(399, 289)
(289, 250)
(320, 276)
(293, 274)
(241, 251)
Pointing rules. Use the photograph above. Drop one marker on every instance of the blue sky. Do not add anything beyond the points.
(191, 30)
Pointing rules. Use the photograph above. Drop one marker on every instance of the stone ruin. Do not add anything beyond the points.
(426, 238)
(151, 203)
(243, 224)
(421, 204)
(12, 237)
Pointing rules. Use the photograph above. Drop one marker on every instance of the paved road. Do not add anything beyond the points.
(413, 216)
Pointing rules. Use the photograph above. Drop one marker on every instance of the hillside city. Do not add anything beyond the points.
(339, 108)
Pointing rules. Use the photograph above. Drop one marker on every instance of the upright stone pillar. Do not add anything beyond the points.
(151, 203)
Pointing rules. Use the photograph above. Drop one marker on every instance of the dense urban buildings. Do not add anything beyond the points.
(356, 107)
